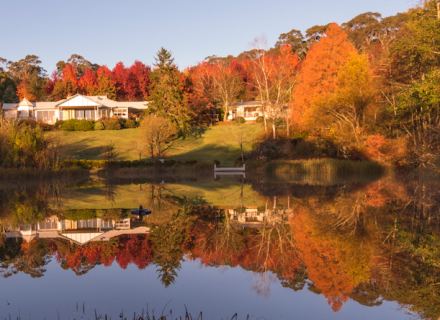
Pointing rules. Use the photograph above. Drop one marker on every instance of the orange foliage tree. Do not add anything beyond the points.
(319, 73)
(24, 91)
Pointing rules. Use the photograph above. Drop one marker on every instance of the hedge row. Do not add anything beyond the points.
(87, 164)
(90, 125)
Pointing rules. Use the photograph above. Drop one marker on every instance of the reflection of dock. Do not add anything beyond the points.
(79, 231)
(231, 171)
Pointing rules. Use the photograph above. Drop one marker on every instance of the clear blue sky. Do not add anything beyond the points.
(109, 31)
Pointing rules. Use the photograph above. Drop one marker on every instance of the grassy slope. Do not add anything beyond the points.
(213, 144)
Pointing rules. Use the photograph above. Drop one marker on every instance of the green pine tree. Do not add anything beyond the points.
(10, 95)
(167, 98)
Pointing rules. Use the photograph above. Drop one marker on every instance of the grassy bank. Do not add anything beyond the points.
(207, 144)
(32, 173)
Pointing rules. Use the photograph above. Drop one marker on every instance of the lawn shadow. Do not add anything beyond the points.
(81, 150)
(208, 153)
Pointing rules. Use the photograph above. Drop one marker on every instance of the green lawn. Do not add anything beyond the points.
(213, 144)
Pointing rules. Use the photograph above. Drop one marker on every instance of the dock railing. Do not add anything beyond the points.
(229, 171)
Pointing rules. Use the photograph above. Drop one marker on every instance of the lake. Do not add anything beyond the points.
(267, 247)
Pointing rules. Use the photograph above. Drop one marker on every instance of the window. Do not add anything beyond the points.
(51, 116)
(10, 114)
(46, 116)
(79, 114)
(120, 112)
(103, 113)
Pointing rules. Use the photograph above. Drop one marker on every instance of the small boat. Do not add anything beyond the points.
(141, 212)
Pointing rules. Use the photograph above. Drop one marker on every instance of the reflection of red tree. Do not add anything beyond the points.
(126, 249)
(134, 249)
(321, 261)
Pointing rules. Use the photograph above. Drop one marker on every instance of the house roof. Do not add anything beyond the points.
(78, 100)
(25, 103)
(246, 103)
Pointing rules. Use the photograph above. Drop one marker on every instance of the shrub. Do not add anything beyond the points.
(356, 153)
(130, 124)
(112, 124)
(191, 162)
(261, 209)
(58, 124)
(266, 151)
(84, 125)
(240, 210)
(68, 125)
(260, 119)
(29, 122)
(46, 126)
(121, 121)
(217, 162)
(98, 125)
(170, 163)
(240, 120)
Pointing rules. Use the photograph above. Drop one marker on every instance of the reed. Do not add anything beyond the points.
(327, 167)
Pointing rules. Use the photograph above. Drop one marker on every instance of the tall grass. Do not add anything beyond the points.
(325, 170)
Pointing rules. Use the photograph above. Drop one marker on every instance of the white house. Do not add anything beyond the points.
(250, 110)
(74, 107)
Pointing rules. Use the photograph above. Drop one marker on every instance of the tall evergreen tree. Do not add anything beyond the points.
(167, 92)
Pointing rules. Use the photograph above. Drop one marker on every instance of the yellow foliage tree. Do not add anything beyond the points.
(346, 110)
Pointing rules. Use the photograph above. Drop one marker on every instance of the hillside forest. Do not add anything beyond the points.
(366, 89)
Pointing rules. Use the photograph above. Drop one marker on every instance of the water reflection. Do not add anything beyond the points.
(368, 242)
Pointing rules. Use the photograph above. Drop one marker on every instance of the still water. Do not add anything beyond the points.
(312, 247)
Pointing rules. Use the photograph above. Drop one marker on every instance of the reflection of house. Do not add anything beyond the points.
(255, 217)
(250, 110)
(75, 107)
(79, 232)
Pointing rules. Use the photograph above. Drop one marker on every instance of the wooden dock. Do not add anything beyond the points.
(231, 171)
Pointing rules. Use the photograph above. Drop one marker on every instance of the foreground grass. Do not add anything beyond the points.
(212, 144)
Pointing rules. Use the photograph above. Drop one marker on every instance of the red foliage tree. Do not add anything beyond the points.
(87, 83)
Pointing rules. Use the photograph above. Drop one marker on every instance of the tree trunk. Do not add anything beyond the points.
(226, 107)
(241, 150)
(274, 129)
(287, 128)
(265, 124)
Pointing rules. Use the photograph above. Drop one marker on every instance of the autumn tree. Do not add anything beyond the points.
(68, 85)
(319, 73)
(363, 29)
(79, 62)
(88, 82)
(105, 83)
(227, 85)
(346, 110)
(238, 133)
(274, 77)
(295, 39)
(24, 91)
(156, 135)
(417, 51)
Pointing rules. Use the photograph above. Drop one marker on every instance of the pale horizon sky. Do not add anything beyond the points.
(106, 32)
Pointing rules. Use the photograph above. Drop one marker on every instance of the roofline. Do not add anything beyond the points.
(74, 96)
